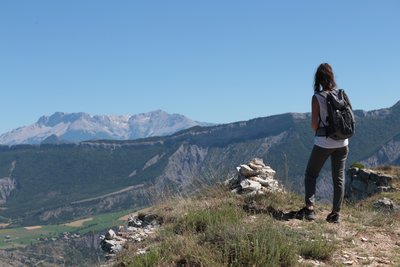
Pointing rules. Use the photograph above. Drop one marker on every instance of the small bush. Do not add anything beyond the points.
(197, 221)
(317, 249)
(264, 246)
(357, 165)
(149, 259)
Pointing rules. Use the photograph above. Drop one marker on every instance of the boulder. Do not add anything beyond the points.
(386, 204)
(107, 245)
(150, 219)
(110, 235)
(363, 183)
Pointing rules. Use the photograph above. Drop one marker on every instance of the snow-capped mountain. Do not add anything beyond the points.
(76, 127)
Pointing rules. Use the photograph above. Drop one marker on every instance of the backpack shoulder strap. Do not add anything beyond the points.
(322, 129)
(346, 98)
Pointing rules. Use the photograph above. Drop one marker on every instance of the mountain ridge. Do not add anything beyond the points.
(80, 126)
(61, 174)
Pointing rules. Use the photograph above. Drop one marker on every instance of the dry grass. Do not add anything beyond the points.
(390, 170)
(212, 229)
(393, 171)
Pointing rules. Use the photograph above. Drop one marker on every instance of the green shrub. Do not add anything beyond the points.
(357, 165)
(317, 249)
(148, 259)
(198, 221)
(263, 246)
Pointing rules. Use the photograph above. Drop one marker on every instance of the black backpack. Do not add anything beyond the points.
(341, 121)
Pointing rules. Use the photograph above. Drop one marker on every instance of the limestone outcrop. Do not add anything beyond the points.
(139, 227)
(362, 183)
(7, 186)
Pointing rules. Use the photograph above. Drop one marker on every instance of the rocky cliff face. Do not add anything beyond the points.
(387, 154)
(79, 251)
(183, 167)
(191, 166)
(7, 186)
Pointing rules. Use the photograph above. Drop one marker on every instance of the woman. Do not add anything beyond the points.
(324, 147)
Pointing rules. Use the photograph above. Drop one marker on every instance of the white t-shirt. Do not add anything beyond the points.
(322, 141)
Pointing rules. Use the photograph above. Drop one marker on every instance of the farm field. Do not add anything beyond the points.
(23, 236)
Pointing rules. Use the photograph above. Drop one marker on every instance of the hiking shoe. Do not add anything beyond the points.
(305, 213)
(333, 217)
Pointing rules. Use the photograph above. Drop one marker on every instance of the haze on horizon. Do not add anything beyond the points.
(212, 61)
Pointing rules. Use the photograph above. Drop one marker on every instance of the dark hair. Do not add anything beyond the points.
(324, 79)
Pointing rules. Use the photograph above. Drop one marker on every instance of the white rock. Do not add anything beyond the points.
(140, 252)
(116, 248)
(249, 185)
(257, 161)
(268, 171)
(119, 238)
(266, 182)
(247, 171)
(235, 191)
(110, 234)
(384, 203)
(256, 166)
(228, 181)
(110, 242)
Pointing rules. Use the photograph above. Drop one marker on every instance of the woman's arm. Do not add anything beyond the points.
(314, 113)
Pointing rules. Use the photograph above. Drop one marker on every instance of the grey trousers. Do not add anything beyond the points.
(317, 159)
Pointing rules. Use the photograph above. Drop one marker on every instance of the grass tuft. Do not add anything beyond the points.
(319, 249)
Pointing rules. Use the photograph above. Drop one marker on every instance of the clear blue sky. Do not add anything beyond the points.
(211, 60)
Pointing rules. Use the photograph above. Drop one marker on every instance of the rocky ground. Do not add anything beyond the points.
(368, 233)
(358, 244)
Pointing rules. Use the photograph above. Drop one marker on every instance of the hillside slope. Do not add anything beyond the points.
(220, 228)
(52, 183)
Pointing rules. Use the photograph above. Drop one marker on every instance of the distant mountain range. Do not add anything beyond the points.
(75, 127)
(48, 183)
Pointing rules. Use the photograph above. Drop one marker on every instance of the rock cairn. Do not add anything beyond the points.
(139, 228)
(254, 178)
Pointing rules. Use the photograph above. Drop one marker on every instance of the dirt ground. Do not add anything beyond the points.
(359, 245)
